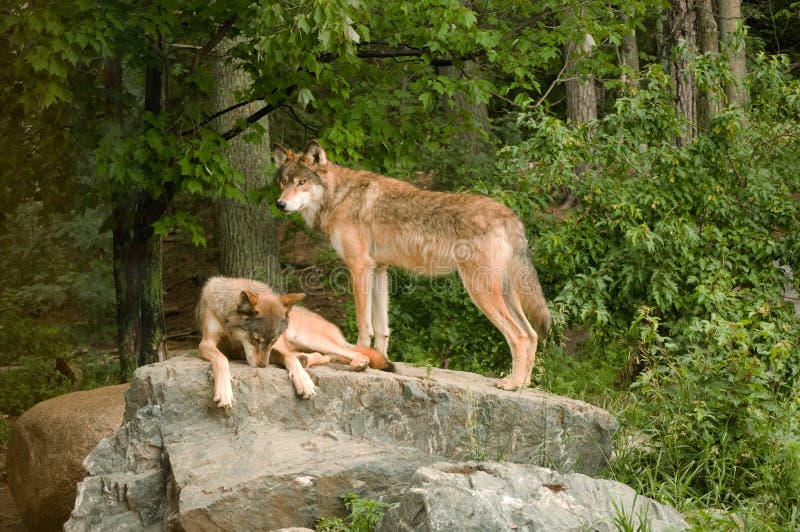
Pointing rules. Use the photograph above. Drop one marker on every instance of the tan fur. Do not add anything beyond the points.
(224, 308)
(311, 336)
(375, 221)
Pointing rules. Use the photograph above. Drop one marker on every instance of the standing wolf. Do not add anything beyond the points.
(243, 318)
(375, 221)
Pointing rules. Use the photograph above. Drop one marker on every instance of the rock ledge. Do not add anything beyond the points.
(274, 460)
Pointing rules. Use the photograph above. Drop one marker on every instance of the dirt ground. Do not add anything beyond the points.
(185, 270)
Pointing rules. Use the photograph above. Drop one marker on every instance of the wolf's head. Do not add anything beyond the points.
(298, 176)
(262, 319)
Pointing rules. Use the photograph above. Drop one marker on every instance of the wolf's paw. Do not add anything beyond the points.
(224, 400)
(305, 386)
(359, 364)
(507, 384)
(310, 393)
(315, 359)
(223, 394)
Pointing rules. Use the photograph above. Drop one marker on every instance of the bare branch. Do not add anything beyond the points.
(218, 36)
(555, 81)
(369, 51)
(258, 115)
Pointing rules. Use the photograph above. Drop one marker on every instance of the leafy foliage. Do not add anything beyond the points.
(5, 431)
(364, 514)
(677, 253)
(57, 295)
(57, 263)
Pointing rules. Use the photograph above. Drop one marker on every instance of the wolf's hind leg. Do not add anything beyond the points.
(515, 307)
(331, 342)
(313, 359)
(486, 291)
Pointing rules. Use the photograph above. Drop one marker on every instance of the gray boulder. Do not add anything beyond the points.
(274, 460)
(480, 496)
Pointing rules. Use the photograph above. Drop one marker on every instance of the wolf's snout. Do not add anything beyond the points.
(281, 205)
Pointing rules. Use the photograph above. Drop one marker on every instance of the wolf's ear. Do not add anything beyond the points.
(280, 154)
(315, 154)
(289, 300)
(247, 303)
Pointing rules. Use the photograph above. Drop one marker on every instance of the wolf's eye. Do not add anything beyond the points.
(301, 182)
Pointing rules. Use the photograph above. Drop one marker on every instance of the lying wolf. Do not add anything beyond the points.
(374, 221)
(243, 318)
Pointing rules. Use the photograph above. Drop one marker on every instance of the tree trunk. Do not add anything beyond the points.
(581, 93)
(141, 334)
(731, 33)
(629, 57)
(707, 100)
(681, 43)
(245, 232)
(470, 117)
(581, 98)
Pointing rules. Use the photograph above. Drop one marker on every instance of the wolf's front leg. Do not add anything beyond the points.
(302, 381)
(362, 279)
(223, 391)
(380, 310)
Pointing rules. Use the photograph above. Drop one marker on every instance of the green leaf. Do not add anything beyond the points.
(304, 97)
(193, 185)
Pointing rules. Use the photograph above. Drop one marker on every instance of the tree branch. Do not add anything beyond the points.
(365, 51)
(217, 115)
(212, 42)
(555, 81)
(218, 36)
(254, 117)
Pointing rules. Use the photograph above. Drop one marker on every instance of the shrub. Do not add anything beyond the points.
(364, 515)
(5, 431)
(678, 253)
(57, 294)
(59, 264)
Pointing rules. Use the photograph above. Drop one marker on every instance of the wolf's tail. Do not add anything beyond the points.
(377, 360)
(525, 282)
